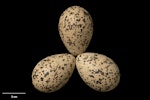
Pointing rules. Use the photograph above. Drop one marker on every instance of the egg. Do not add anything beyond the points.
(75, 29)
(53, 72)
(98, 71)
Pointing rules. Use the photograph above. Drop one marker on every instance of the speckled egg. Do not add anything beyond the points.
(98, 71)
(75, 29)
(53, 72)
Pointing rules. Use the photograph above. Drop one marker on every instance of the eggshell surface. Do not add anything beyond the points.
(75, 29)
(53, 72)
(98, 71)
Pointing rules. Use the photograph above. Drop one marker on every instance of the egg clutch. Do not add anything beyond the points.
(98, 71)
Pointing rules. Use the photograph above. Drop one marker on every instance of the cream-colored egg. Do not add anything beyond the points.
(53, 72)
(75, 29)
(98, 71)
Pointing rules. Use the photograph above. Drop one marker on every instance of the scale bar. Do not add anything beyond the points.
(13, 93)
